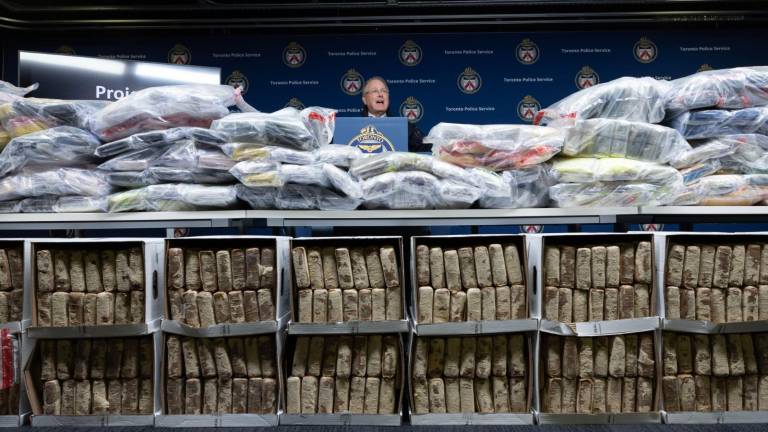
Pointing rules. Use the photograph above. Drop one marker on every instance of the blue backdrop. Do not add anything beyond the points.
(467, 78)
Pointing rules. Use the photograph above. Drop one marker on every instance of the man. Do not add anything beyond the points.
(376, 104)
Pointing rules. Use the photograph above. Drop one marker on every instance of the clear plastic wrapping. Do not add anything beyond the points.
(626, 139)
(163, 107)
(705, 151)
(185, 154)
(161, 138)
(342, 181)
(57, 182)
(183, 175)
(417, 190)
(614, 194)
(715, 123)
(371, 166)
(10, 206)
(703, 169)
(524, 188)
(307, 129)
(308, 197)
(60, 146)
(248, 152)
(173, 197)
(257, 198)
(750, 155)
(304, 174)
(494, 147)
(139, 160)
(590, 170)
(725, 190)
(25, 116)
(723, 88)
(130, 179)
(69, 204)
(257, 174)
(337, 154)
(626, 98)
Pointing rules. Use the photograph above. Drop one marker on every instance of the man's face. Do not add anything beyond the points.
(376, 97)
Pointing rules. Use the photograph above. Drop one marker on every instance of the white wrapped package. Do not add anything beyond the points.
(620, 138)
(725, 190)
(338, 154)
(38, 204)
(457, 195)
(723, 88)
(750, 155)
(371, 166)
(161, 138)
(247, 152)
(626, 98)
(196, 195)
(290, 128)
(164, 107)
(342, 181)
(589, 170)
(705, 151)
(10, 207)
(401, 190)
(257, 198)
(715, 123)
(257, 174)
(28, 115)
(304, 174)
(60, 146)
(693, 173)
(494, 147)
(190, 155)
(58, 182)
(70, 204)
(526, 188)
(307, 197)
(617, 194)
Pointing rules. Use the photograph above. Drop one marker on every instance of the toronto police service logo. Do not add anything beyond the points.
(352, 82)
(410, 53)
(705, 67)
(370, 140)
(295, 103)
(65, 50)
(469, 81)
(527, 108)
(645, 50)
(294, 55)
(586, 78)
(180, 55)
(527, 52)
(412, 109)
(238, 80)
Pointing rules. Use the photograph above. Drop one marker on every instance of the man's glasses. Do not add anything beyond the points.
(378, 91)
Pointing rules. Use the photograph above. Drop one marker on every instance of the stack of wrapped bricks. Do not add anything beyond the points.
(234, 375)
(470, 374)
(716, 280)
(344, 374)
(108, 376)
(11, 283)
(480, 283)
(596, 375)
(208, 286)
(342, 284)
(596, 283)
(97, 285)
(711, 373)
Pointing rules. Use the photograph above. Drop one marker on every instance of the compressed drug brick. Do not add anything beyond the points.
(733, 305)
(68, 397)
(372, 387)
(613, 267)
(629, 393)
(684, 354)
(224, 270)
(190, 272)
(335, 306)
(646, 364)
(175, 304)
(208, 277)
(474, 305)
(350, 305)
(750, 304)
(551, 303)
(717, 306)
(330, 274)
(305, 305)
(325, 395)
(123, 308)
(736, 274)
(627, 261)
(719, 387)
(570, 389)
(52, 398)
(357, 395)
(320, 306)
(553, 357)
(687, 392)
(61, 271)
(735, 355)
(762, 393)
(642, 301)
(669, 355)
(568, 266)
(64, 357)
(441, 305)
(498, 268)
(122, 271)
(293, 394)
(373, 367)
(750, 393)
(190, 309)
(423, 276)
(598, 395)
(483, 267)
(631, 348)
(483, 359)
(359, 270)
(691, 267)
(518, 400)
(467, 365)
(703, 396)
(83, 398)
(570, 358)
(48, 364)
(174, 358)
(309, 395)
(458, 306)
(722, 267)
(100, 402)
(59, 309)
(484, 396)
(644, 394)
(453, 272)
(252, 268)
(267, 280)
(580, 305)
(626, 302)
(643, 263)
(436, 362)
(703, 302)
(76, 272)
(586, 358)
(565, 305)
(762, 301)
(706, 266)
(221, 357)
(389, 357)
(390, 267)
(360, 356)
(466, 395)
(136, 268)
(551, 266)
(92, 272)
(611, 304)
(16, 264)
(467, 267)
(205, 308)
(596, 304)
(599, 258)
(344, 269)
(206, 357)
(89, 309)
(488, 299)
(374, 268)
(720, 364)
(300, 356)
(735, 388)
(675, 261)
(512, 263)
(437, 396)
(130, 363)
(437, 267)
(210, 396)
(130, 397)
(225, 396)
(452, 395)
(617, 361)
(341, 397)
(421, 396)
(237, 357)
(420, 356)
(672, 302)
(602, 356)
(193, 396)
(315, 355)
(221, 307)
(237, 257)
(687, 304)
(394, 303)
(236, 307)
(75, 308)
(44, 318)
(115, 396)
(750, 360)
(315, 269)
(583, 268)
(500, 356)
(379, 304)
(670, 388)
(554, 396)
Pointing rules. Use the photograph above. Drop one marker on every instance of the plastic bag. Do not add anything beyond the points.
(139, 160)
(613, 194)
(60, 146)
(130, 179)
(456, 195)
(619, 138)
(164, 107)
(705, 151)
(247, 152)
(10, 89)
(337, 154)
(401, 190)
(494, 147)
(78, 204)
(187, 154)
(10, 207)
(199, 196)
(525, 188)
(132, 200)
(626, 98)
(57, 182)
(304, 174)
(25, 116)
(371, 166)
(161, 138)
(43, 204)
(590, 170)
(288, 127)
(724, 88)
(307, 197)
(157, 174)
(342, 181)
(257, 174)
(728, 190)
(257, 198)
(715, 123)
(703, 169)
